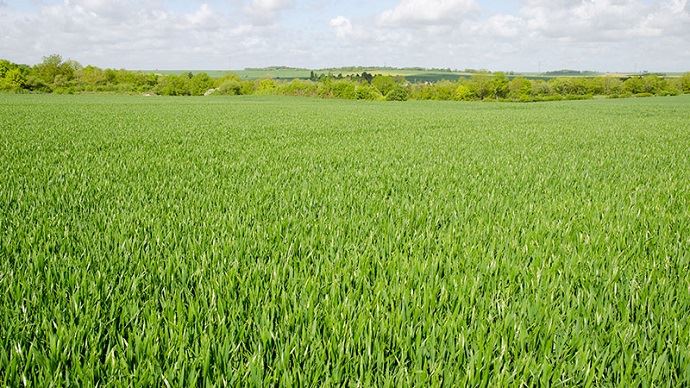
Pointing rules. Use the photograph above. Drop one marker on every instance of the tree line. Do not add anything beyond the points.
(55, 75)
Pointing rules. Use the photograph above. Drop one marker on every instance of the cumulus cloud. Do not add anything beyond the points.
(206, 34)
(588, 20)
(429, 12)
(502, 26)
(342, 26)
(269, 5)
(265, 11)
(136, 34)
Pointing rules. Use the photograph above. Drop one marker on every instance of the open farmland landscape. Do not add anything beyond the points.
(253, 240)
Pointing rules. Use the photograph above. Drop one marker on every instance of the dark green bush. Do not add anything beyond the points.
(398, 93)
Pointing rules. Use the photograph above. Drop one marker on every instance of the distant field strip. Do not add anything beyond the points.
(287, 241)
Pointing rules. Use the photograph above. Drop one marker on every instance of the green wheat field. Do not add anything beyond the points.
(261, 241)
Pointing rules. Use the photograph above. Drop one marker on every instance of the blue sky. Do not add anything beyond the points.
(520, 35)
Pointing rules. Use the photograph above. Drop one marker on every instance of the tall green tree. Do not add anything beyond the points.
(200, 84)
(685, 83)
(53, 68)
(384, 83)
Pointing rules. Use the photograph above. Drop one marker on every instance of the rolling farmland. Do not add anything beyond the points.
(276, 240)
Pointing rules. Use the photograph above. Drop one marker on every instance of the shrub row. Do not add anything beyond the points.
(55, 75)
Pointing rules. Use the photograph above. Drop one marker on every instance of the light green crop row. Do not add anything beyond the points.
(285, 241)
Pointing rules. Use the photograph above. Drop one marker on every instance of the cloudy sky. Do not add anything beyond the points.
(520, 35)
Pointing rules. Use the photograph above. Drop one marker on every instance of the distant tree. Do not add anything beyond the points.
(49, 68)
(91, 75)
(482, 86)
(541, 88)
(685, 83)
(611, 85)
(53, 67)
(266, 86)
(562, 86)
(367, 77)
(444, 91)
(13, 80)
(151, 80)
(5, 66)
(174, 85)
(200, 84)
(367, 92)
(397, 93)
(634, 85)
(384, 83)
(340, 89)
(229, 88)
(519, 88)
(298, 87)
(464, 93)
(110, 76)
(500, 85)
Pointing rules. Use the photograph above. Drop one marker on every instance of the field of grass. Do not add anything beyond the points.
(266, 240)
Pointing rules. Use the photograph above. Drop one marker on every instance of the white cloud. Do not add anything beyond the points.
(501, 26)
(427, 12)
(269, 5)
(342, 26)
(606, 20)
(206, 34)
(586, 20)
(135, 34)
(265, 11)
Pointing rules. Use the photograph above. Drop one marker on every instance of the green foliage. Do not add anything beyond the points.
(54, 70)
(634, 85)
(500, 85)
(562, 86)
(229, 88)
(368, 92)
(384, 83)
(611, 85)
(649, 85)
(232, 85)
(397, 93)
(299, 88)
(174, 85)
(59, 76)
(299, 242)
(340, 89)
(482, 86)
(13, 80)
(5, 66)
(91, 76)
(199, 84)
(445, 90)
(684, 83)
(541, 88)
(519, 89)
(266, 87)
(225, 78)
(464, 93)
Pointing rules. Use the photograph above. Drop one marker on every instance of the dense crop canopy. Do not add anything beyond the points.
(268, 240)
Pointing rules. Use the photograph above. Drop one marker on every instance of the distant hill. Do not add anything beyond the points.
(412, 74)
(570, 73)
